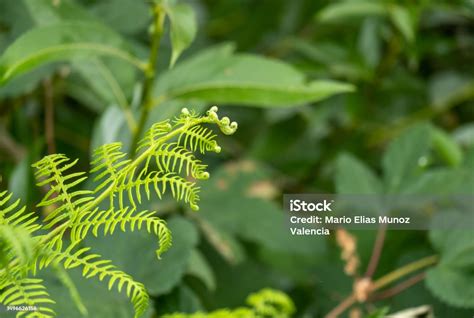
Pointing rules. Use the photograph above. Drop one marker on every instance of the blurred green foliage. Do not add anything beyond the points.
(331, 96)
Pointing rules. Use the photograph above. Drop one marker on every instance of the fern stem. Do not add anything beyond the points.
(150, 74)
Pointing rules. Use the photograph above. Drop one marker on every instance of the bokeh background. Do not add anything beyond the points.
(412, 66)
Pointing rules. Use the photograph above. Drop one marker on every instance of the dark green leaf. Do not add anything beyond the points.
(448, 149)
(348, 9)
(354, 177)
(159, 276)
(220, 76)
(61, 42)
(183, 28)
(401, 161)
(452, 280)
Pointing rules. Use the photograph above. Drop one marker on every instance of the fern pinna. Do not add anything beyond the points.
(165, 162)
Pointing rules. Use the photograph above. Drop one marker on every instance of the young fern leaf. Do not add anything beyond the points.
(51, 170)
(107, 162)
(174, 158)
(181, 189)
(14, 216)
(107, 222)
(76, 213)
(16, 242)
(27, 292)
(16, 232)
(93, 266)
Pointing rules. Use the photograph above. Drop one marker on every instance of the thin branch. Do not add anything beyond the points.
(405, 270)
(376, 251)
(150, 74)
(343, 306)
(398, 288)
(384, 281)
(49, 116)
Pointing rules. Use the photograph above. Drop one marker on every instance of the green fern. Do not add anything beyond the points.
(164, 163)
(26, 292)
(266, 303)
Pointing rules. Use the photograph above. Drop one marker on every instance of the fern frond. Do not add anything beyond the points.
(108, 160)
(199, 138)
(93, 266)
(171, 145)
(159, 182)
(16, 242)
(271, 303)
(153, 135)
(51, 171)
(174, 158)
(107, 222)
(14, 215)
(27, 292)
(267, 303)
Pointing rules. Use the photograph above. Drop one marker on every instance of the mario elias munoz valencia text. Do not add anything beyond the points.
(299, 223)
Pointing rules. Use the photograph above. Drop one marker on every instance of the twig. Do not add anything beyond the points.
(150, 74)
(405, 270)
(384, 281)
(343, 306)
(49, 116)
(377, 251)
(398, 288)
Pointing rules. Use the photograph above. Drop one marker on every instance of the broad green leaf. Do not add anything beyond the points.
(98, 300)
(110, 127)
(441, 181)
(452, 279)
(452, 286)
(112, 87)
(402, 19)
(127, 16)
(401, 160)
(220, 76)
(26, 83)
(448, 149)
(183, 28)
(181, 299)
(14, 19)
(200, 268)
(61, 42)
(370, 42)
(64, 277)
(464, 135)
(232, 202)
(354, 177)
(103, 82)
(20, 179)
(159, 276)
(449, 88)
(399, 15)
(47, 12)
(348, 9)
